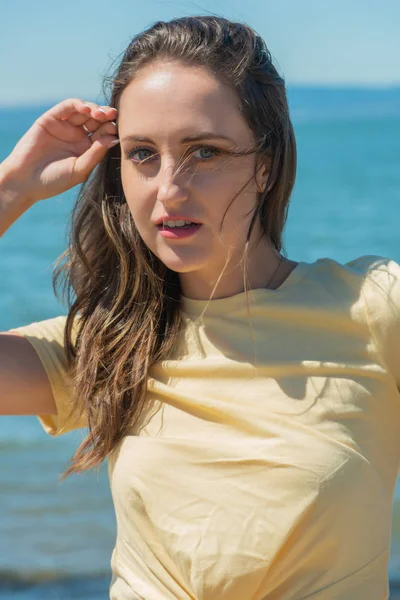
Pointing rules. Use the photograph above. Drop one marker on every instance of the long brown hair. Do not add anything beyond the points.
(124, 303)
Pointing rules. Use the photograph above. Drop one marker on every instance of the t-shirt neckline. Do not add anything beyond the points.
(223, 305)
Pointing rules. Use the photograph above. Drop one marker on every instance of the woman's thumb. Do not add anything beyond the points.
(85, 163)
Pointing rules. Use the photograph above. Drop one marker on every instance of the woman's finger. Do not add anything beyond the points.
(108, 128)
(92, 125)
(94, 119)
(102, 112)
(65, 109)
(85, 163)
(71, 106)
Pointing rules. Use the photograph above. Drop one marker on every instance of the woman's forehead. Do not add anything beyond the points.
(178, 97)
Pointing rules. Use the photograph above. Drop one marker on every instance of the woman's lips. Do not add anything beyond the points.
(178, 232)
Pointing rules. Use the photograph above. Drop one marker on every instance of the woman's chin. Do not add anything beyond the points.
(182, 262)
(181, 266)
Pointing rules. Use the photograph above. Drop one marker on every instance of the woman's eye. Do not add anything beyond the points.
(139, 154)
(139, 151)
(206, 149)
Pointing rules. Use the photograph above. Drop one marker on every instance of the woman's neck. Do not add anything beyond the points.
(263, 271)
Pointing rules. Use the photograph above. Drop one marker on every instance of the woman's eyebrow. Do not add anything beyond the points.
(204, 135)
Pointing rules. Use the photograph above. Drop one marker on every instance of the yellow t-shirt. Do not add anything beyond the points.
(267, 467)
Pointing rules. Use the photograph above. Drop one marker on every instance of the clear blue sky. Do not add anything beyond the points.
(53, 49)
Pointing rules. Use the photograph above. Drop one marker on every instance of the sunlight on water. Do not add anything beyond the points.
(345, 204)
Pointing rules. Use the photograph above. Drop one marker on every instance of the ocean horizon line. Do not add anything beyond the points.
(383, 88)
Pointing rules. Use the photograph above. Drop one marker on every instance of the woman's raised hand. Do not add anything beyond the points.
(61, 149)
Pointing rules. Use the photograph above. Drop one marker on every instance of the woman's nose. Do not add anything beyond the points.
(171, 189)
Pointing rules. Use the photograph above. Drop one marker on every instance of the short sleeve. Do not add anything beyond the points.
(381, 295)
(47, 339)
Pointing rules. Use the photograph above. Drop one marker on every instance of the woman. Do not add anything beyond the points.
(247, 403)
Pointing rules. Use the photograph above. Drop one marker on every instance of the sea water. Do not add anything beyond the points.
(56, 540)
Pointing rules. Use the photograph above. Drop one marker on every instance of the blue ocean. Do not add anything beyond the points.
(56, 539)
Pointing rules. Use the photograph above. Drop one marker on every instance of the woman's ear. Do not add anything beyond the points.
(263, 174)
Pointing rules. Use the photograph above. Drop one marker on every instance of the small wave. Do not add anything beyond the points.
(50, 585)
(12, 579)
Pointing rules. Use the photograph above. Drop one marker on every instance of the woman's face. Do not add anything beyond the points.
(164, 104)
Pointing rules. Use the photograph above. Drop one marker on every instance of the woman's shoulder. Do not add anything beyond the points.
(371, 264)
(365, 269)
(52, 329)
(362, 265)
(372, 279)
